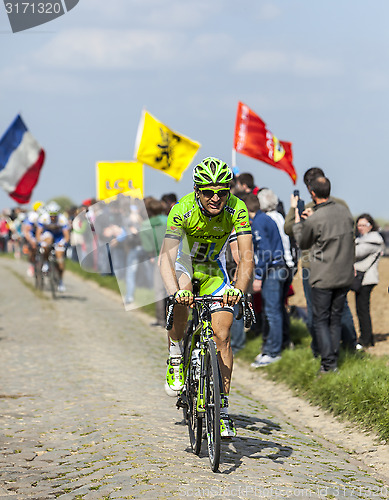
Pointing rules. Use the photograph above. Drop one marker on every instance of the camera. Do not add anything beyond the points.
(300, 202)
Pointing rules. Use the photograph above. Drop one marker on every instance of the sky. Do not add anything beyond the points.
(316, 72)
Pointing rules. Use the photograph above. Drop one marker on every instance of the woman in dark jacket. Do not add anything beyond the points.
(369, 246)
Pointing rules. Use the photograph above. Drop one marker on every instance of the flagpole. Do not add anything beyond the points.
(139, 132)
(235, 169)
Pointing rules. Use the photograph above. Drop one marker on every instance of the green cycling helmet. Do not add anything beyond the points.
(212, 171)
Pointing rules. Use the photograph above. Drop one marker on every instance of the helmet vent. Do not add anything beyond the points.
(213, 166)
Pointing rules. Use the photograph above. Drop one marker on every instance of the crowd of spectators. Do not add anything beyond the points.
(331, 248)
(123, 237)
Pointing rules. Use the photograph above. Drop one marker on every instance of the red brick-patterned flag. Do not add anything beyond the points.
(252, 138)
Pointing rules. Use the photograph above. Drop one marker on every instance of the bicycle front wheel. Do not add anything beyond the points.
(212, 405)
(191, 416)
(195, 423)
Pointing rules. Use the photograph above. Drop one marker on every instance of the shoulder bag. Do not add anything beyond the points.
(356, 283)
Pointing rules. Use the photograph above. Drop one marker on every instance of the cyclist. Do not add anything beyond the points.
(29, 227)
(198, 229)
(53, 230)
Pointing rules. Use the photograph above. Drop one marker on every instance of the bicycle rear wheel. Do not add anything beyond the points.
(212, 405)
(191, 416)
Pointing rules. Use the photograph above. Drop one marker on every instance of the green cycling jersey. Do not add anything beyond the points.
(203, 240)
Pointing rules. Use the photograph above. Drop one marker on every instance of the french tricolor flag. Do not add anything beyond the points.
(21, 159)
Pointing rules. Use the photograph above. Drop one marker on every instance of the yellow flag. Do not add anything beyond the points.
(119, 177)
(160, 147)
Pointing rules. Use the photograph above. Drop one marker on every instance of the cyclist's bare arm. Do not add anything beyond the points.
(235, 251)
(244, 272)
(66, 235)
(246, 263)
(235, 256)
(27, 235)
(167, 262)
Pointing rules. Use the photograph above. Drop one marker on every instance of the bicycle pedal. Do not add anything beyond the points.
(181, 402)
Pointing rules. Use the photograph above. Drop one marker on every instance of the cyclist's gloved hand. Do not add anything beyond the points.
(184, 297)
(232, 296)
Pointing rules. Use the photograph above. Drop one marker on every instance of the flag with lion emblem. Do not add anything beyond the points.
(161, 148)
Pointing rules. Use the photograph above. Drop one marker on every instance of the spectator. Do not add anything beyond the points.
(327, 230)
(385, 235)
(257, 327)
(168, 200)
(270, 276)
(4, 230)
(369, 246)
(245, 184)
(269, 202)
(133, 248)
(152, 234)
(116, 233)
(349, 336)
(18, 234)
(237, 331)
(77, 240)
(101, 223)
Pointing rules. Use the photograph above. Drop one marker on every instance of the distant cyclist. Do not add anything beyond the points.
(53, 230)
(198, 229)
(29, 227)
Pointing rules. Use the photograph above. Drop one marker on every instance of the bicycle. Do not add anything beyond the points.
(52, 272)
(203, 389)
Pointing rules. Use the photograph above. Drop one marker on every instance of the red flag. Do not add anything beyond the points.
(252, 138)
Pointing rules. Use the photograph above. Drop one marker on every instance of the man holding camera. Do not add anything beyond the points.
(349, 335)
(327, 230)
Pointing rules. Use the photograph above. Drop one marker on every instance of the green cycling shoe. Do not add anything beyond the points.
(174, 376)
(227, 427)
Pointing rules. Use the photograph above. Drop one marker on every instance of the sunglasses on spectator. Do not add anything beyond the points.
(210, 193)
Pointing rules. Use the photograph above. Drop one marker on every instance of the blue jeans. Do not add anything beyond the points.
(285, 316)
(327, 307)
(348, 333)
(238, 334)
(273, 302)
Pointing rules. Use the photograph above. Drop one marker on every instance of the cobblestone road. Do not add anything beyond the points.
(83, 414)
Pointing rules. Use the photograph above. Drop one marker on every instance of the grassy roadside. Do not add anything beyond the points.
(142, 295)
(109, 282)
(358, 392)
